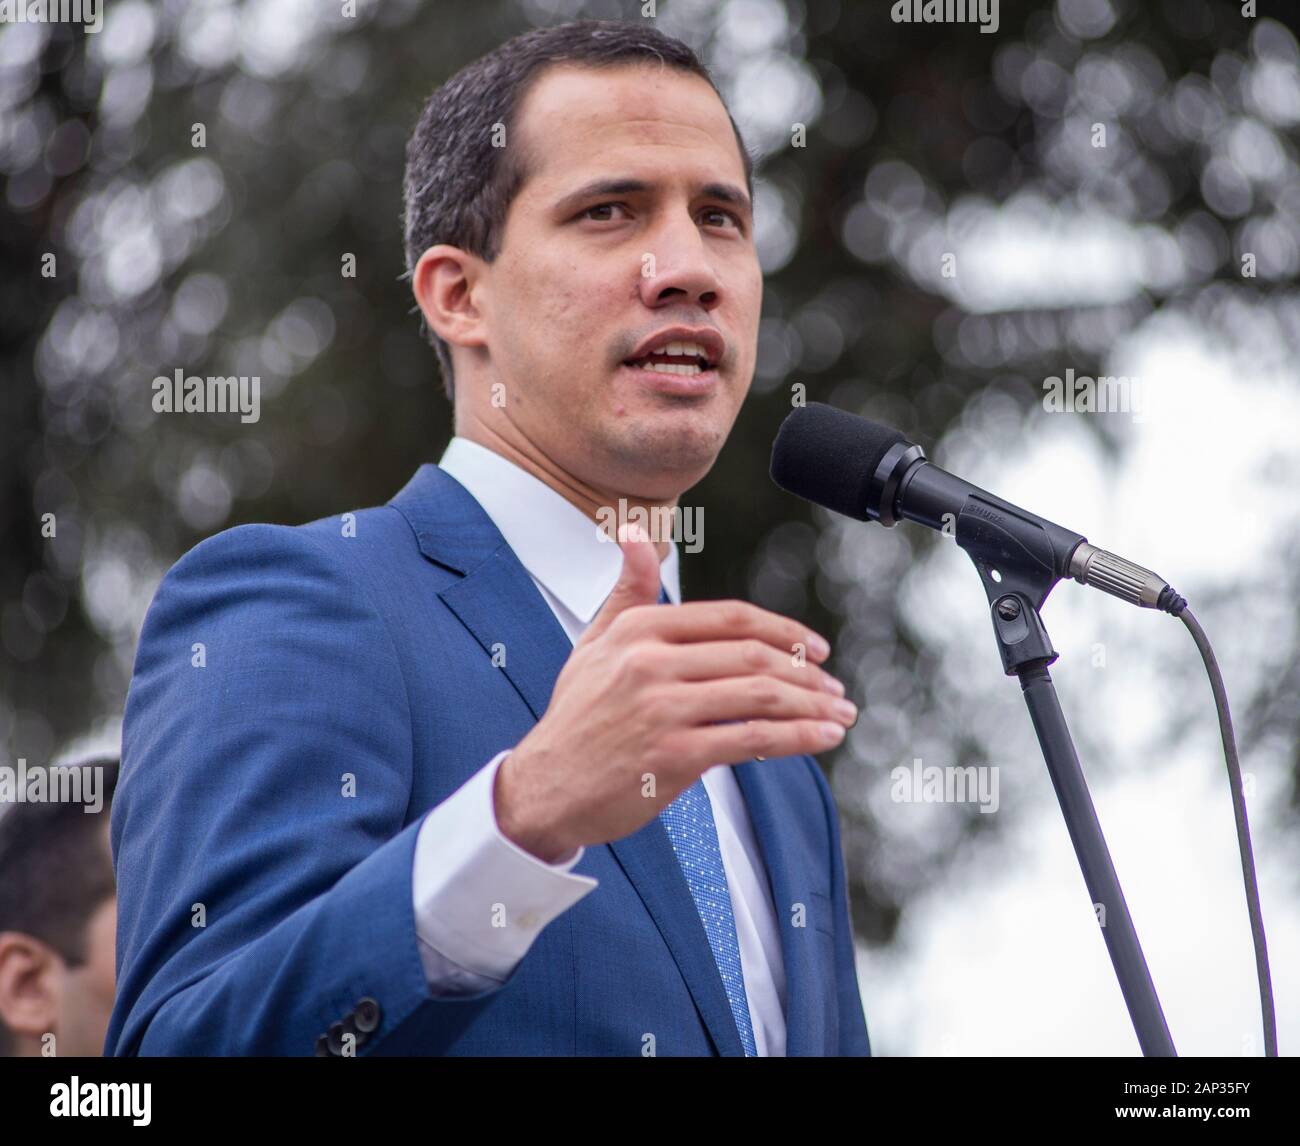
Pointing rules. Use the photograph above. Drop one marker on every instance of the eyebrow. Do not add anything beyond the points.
(725, 192)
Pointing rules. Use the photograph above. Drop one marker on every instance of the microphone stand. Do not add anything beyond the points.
(1017, 561)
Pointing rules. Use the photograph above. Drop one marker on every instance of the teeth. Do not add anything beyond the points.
(683, 348)
(670, 368)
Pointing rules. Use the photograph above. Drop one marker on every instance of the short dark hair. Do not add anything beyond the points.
(55, 871)
(458, 186)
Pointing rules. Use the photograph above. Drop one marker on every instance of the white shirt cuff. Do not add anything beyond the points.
(480, 899)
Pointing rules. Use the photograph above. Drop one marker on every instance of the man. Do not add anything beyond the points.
(58, 918)
(442, 777)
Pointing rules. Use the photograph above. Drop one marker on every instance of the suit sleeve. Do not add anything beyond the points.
(853, 1024)
(263, 861)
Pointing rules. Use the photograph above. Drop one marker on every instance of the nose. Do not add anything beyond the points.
(677, 268)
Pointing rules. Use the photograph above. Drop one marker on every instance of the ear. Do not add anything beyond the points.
(447, 283)
(31, 985)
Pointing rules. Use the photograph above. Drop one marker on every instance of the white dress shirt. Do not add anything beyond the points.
(463, 861)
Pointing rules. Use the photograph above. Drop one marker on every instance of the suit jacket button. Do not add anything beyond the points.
(335, 1038)
(367, 1015)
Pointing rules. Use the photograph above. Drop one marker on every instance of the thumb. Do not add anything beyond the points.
(638, 583)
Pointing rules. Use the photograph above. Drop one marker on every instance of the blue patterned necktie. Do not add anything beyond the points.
(689, 823)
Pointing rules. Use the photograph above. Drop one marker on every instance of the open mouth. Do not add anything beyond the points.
(663, 363)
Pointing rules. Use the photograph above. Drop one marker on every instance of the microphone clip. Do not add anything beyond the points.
(1019, 564)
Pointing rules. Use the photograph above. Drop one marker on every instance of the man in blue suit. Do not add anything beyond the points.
(443, 777)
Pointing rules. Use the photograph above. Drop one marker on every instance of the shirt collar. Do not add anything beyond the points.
(554, 540)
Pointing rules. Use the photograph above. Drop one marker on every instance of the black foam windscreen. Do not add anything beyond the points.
(829, 456)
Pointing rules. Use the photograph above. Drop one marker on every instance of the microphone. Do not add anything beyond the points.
(871, 472)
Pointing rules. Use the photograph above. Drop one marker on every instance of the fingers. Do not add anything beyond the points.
(737, 743)
(637, 584)
(727, 620)
(712, 660)
(764, 698)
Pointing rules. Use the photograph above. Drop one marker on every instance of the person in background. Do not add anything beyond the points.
(58, 923)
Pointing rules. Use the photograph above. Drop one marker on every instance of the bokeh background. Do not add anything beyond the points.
(1169, 254)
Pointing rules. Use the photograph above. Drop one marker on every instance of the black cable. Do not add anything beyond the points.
(1184, 614)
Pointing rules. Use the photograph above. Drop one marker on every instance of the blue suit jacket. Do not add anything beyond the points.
(326, 655)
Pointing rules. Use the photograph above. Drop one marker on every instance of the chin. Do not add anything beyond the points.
(677, 446)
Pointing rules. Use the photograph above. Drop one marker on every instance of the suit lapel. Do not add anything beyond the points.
(533, 644)
(805, 1029)
(498, 602)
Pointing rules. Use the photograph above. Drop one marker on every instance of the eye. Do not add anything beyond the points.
(725, 214)
(602, 207)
